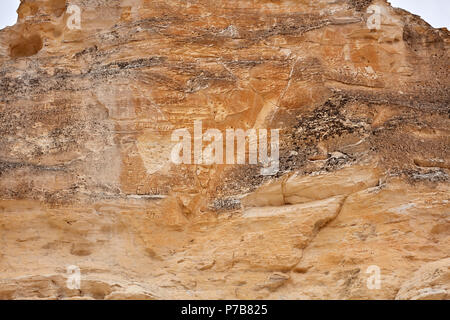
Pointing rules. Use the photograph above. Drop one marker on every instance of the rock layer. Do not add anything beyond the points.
(86, 117)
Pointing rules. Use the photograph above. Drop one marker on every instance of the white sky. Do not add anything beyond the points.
(8, 15)
(435, 12)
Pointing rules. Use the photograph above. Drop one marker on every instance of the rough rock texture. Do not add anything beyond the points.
(85, 123)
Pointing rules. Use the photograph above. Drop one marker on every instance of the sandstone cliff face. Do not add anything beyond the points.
(86, 117)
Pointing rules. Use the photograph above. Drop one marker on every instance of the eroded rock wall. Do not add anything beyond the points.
(86, 117)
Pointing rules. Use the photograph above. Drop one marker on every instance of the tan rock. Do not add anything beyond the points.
(430, 282)
(358, 210)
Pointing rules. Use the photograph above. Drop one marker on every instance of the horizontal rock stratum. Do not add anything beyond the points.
(360, 205)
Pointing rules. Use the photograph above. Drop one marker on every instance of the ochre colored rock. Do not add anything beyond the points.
(430, 282)
(87, 182)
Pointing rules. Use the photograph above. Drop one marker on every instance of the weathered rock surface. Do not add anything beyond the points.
(86, 118)
(429, 283)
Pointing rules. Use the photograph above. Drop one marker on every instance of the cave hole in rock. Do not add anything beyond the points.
(25, 46)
